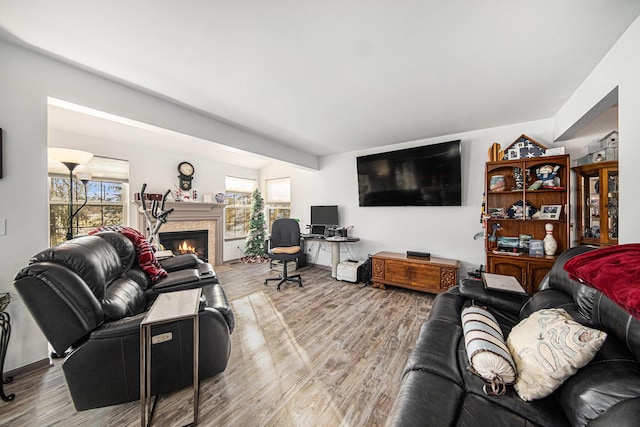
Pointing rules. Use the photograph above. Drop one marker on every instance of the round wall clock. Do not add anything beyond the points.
(186, 170)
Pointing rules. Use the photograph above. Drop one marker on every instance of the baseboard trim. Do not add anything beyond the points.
(30, 368)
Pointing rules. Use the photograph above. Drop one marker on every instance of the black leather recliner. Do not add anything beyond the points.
(88, 296)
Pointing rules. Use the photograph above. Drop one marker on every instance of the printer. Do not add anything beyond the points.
(350, 271)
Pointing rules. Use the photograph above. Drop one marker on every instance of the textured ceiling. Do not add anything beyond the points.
(335, 76)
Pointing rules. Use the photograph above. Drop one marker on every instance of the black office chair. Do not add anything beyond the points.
(284, 245)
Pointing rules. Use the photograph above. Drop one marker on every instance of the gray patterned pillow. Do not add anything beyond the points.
(549, 347)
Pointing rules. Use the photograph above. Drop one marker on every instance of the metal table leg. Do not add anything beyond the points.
(5, 334)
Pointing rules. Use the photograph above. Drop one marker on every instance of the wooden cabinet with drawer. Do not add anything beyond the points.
(433, 275)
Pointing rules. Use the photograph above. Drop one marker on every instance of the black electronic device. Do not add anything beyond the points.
(318, 230)
(324, 215)
(418, 254)
(430, 175)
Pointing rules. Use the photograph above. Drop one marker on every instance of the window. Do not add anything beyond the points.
(278, 199)
(238, 210)
(106, 197)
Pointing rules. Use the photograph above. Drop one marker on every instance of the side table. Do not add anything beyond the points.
(168, 307)
(5, 334)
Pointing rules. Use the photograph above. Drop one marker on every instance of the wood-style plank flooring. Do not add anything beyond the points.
(327, 354)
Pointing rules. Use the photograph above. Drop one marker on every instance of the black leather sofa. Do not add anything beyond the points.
(88, 296)
(438, 390)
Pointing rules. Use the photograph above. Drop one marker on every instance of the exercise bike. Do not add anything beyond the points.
(155, 216)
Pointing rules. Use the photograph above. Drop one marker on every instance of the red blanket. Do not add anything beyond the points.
(144, 252)
(614, 271)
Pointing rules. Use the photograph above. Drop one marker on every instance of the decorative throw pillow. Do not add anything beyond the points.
(488, 355)
(548, 347)
(614, 271)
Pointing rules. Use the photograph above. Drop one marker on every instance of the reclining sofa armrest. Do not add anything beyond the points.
(179, 262)
(475, 290)
(216, 298)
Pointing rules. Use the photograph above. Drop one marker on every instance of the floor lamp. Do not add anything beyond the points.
(71, 159)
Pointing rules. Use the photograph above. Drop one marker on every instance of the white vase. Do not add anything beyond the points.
(549, 242)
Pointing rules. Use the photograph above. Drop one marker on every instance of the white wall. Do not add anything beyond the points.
(619, 68)
(443, 231)
(27, 79)
(157, 166)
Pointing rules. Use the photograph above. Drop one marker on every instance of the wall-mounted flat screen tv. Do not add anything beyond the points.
(421, 176)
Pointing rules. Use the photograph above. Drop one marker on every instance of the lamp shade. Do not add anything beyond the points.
(68, 155)
(84, 176)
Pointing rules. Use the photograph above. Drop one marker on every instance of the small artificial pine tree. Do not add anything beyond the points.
(254, 244)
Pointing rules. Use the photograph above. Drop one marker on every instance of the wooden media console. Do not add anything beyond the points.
(433, 275)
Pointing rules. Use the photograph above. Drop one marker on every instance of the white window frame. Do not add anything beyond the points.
(239, 187)
(277, 198)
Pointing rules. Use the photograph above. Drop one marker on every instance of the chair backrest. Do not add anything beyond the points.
(285, 232)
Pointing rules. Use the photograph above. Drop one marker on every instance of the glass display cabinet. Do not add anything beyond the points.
(597, 204)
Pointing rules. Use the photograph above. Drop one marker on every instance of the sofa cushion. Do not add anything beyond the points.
(486, 350)
(614, 270)
(90, 257)
(123, 298)
(123, 246)
(548, 347)
(144, 252)
(597, 387)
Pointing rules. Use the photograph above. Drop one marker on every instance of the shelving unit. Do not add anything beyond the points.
(597, 203)
(529, 270)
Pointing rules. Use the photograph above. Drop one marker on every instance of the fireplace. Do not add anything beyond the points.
(194, 216)
(186, 242)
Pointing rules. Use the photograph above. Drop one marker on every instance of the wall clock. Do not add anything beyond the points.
(185, 170)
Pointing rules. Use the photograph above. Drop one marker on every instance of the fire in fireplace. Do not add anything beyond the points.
(186, 242)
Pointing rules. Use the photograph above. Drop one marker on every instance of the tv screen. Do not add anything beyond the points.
(422, 176)
(324, 215)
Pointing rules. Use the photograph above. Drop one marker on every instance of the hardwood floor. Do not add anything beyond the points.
(327, 354)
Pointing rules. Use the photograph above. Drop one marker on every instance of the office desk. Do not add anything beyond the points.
(335, 249)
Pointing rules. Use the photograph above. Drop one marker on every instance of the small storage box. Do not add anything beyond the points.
(585, 160)
(350, 271)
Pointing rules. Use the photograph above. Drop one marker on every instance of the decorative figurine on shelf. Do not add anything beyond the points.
(519, 177)
(495, 228)
(178, 195)
(547, 177)
(549, 242)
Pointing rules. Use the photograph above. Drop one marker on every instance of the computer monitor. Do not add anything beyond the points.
(324, 215)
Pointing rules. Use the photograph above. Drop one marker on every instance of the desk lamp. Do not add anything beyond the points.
(71, 159)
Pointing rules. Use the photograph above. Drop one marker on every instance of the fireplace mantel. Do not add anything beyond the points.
(188, 216)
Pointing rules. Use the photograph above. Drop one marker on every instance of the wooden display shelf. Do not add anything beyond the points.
(527, 269)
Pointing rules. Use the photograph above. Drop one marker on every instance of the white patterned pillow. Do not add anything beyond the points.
(549, 347)
(488, 355)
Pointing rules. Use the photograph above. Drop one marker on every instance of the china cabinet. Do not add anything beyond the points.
(597, 203)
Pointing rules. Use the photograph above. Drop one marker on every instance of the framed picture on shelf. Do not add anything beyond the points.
(497, 183)
(550, 211)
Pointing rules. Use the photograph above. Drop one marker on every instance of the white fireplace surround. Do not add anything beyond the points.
(193, 216)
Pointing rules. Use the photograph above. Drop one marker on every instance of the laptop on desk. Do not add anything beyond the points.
(317, 232)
